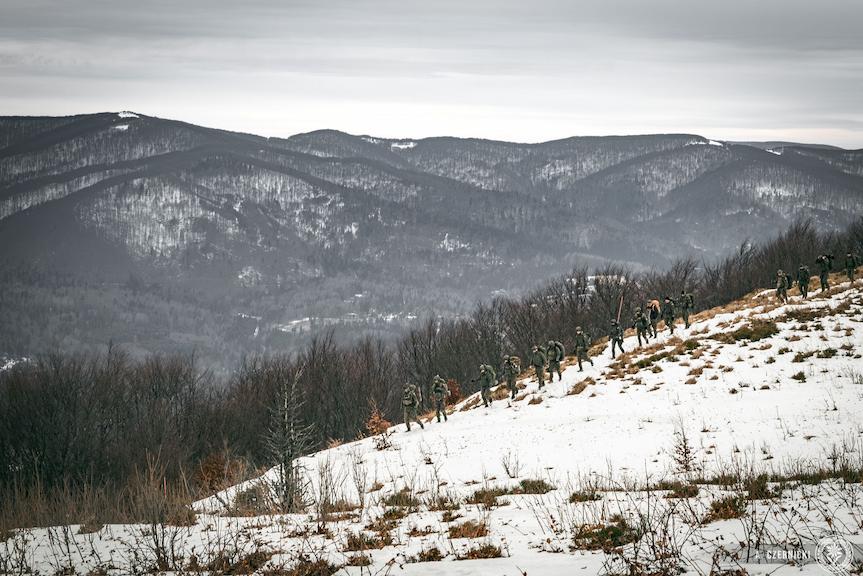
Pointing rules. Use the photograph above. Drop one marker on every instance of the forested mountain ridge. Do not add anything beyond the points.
(159, 235)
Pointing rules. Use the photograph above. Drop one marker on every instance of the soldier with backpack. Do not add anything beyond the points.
(687, 303)
(410, 405)
(668, 313)
(615, 336)
(851, 263)
(511, 370)
(554, 354)
(825, 265)
(486, 380)
(582, 343)
(642, 326)
(537, 360)
(440, 392)
(781, 286)
(653, 315)
(803, 280)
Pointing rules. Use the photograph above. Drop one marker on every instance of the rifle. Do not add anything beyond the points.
(619, 307)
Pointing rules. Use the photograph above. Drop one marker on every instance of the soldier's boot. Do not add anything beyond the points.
(559, 375)
(421, 424)
(580, 369)
(444, 416)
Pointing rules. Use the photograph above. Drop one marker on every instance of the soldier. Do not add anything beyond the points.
(582, 343)
(687, 303)
(825, 265)
(511, 370)
(486, 380)
(615, 335)
(410, 404)
(803, 280)
(537, 360)
(642, 326)
(440, 393)
(653, 314)
(554, 354)
(851, 263)
(781, 286)
(668, 313)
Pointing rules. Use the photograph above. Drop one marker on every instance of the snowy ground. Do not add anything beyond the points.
(787, 402)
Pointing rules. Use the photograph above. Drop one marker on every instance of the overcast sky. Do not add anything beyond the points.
(525, 70)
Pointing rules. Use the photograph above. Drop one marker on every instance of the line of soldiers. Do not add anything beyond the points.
(645, 323)
(825, 266)
(548, 357)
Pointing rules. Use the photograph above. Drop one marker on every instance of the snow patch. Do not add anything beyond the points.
(127, 114)
(403, 145)
(716, 143)
(121, 127)
(778, 152)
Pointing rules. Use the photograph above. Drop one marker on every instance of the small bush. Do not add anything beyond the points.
(359, 541)
(535, 400)
(443, 503)
(679, 489)
(248, 564)
(826, 353)
(253, 501)
(802, 356)
(469, 529)
(800, 377)
(449, 516)
(584, 496)
(534, 486)
(481, 552)
(605, 537)
(432, 554)
(726, 508)
(359, 560)
(486, 496)
(402, 498)
(754, 331)
(304, 567)
(757, 488)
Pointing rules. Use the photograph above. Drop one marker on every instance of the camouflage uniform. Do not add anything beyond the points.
(803, 280)
(642, 326)
(511, 369)
(410, 404)
(687, 303)
(615, 336)
(554, 354)
(582, 343)
(851, 263)
(781, 286)
(668, 313)
(537, 360)
(825, 264)
(486, 380)
(653, 313)
(440, 393)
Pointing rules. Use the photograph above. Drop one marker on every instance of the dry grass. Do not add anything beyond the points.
(481, 552)
(580, 387)
(469, 529)
(535, 400)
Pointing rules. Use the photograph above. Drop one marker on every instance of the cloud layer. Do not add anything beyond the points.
(524, 71)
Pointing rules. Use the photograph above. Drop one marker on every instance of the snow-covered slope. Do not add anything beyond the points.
(754, 387)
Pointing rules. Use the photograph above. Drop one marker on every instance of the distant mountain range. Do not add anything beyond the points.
(162, 235)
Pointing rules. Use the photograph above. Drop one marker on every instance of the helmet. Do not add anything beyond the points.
(578, 328)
